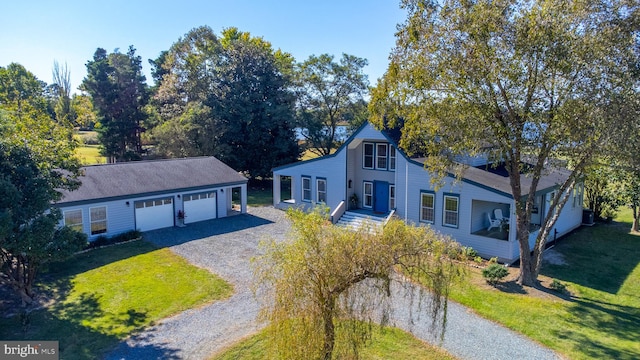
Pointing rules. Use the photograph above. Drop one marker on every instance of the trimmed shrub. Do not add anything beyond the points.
(469, 252)
(494, 273)
(103, 240)
(558, 286)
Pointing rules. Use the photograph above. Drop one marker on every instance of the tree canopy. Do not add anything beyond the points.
(329, 93)
(36, 161)
(118, 93)
(535, 82)
(229, 97)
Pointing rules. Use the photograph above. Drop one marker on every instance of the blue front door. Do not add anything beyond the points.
(380, 196)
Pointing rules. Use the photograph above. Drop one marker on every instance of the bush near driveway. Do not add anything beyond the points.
(104, 295)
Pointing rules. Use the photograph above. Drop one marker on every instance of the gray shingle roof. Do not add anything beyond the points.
(549, 180)
(148, 177)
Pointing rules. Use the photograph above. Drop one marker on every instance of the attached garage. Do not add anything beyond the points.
(154, 214)
(199, 207)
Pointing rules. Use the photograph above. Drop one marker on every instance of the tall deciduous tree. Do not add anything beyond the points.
(62, 83)
(537, 80)
(329, 92)
(36, 161)
(228, 97)
(316, 305)
(119, 93)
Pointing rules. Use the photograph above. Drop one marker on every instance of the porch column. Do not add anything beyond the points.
(243, 198)
(276, 190)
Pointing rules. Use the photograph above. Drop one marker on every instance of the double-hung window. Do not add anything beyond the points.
(381, 156)
(427, 207)
(321, 187)
(368, 195)
(451, 210)
(73, 219)
(367, 156)
(306, 188)
(392, 157)
(98, 218)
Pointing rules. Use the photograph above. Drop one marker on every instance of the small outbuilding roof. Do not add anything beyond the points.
(140, 178)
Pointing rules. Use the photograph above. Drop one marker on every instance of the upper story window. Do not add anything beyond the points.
(381, 156)
(367, 156)
(306, 188)
(392, 158)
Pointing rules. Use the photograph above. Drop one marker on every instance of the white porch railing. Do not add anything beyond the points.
(338, 212)
(393, 212)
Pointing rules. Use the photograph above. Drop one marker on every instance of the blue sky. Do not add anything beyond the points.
(35, 33)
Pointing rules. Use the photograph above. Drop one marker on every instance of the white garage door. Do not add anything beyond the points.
(154, 214)
(199, 207)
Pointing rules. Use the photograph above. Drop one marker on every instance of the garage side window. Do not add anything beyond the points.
(98, 219)
(73, 219)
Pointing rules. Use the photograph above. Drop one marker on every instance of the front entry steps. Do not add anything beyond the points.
(354, 220)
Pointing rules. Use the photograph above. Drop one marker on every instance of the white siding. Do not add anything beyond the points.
(121, 217)
(419, 180)
(332, 168)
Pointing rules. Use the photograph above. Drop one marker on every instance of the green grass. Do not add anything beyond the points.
(391, 343)
(601, 318)
(90, 155)
(106, 294)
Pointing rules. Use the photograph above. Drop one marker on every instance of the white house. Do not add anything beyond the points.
(148, 195)
(370, 166)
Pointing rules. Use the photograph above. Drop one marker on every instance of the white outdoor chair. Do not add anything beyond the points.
(498, 215)
(492, 223)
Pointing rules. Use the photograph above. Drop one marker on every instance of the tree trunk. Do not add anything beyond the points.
(527, 276)
(635, 226)
(329, 330)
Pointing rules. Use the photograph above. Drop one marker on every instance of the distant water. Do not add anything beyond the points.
(341, 133)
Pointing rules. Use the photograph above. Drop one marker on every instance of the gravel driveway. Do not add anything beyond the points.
(225, 247)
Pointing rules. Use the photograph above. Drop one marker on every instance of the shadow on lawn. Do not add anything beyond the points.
(65, 322)
(618, 322)
(600, 257)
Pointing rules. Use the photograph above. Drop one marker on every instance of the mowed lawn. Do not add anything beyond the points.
(90, 155)
(386, 343)
(599, 317)
(104, 295)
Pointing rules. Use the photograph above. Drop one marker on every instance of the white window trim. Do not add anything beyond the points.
(385, 156)
(393, 157)
(318, 192)
(364, 155)
(444, 211)
(364, 195)
(433, 208)
(392, 197)
(303, 189)
(106, 220)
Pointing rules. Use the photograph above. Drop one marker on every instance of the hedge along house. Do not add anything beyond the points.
(149, 195)
(371, 169)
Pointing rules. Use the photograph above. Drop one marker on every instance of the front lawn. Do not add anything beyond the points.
(598, 319)
(104, 295)
(387, 343)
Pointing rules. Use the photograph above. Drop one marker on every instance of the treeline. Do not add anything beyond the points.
(232, 96)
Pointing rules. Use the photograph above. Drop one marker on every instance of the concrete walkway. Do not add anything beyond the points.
(225, 247)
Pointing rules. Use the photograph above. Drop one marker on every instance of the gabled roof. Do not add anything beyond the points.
(102, 182)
